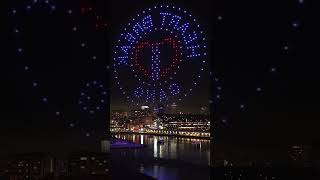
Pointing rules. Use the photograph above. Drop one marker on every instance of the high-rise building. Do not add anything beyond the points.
(173, 108)
(105, 146)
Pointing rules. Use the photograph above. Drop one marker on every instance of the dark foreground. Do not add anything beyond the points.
(123, 172)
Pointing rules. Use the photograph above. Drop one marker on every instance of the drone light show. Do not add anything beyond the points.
(91, 98)
(160, 56)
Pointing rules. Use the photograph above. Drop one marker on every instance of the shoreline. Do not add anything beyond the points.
(160, 134)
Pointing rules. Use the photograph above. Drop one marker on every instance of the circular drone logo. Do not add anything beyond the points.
(160, 55)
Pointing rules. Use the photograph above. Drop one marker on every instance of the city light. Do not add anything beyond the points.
(147, 122)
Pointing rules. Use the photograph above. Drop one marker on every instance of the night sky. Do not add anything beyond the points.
(45, 82)
(121, 16)
(253, 45)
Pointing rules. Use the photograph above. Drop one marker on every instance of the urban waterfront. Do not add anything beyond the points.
(166, 157)
(177, 148)
(145, 121)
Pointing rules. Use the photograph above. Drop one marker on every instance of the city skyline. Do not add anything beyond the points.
(241, 104)
(169, 89)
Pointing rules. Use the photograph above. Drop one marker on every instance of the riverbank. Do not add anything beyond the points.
(162, 134)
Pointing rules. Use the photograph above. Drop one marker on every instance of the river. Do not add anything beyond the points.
(167, 160)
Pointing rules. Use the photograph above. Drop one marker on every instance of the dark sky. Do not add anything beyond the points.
(245, 44)
(124, 11)
(251, 38)
(61, 68)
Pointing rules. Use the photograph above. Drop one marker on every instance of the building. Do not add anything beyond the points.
(186, 122)
(119, 113)
(118, 119)
(139, 113)
(173, 108)
(29, 166)
(105, 146)
(87, 164)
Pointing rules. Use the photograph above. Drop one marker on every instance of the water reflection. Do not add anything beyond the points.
(177, 148)
(141, 139)
(155, 147)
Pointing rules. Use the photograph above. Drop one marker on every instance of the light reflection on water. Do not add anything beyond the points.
(162, 173)
(177, 148)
